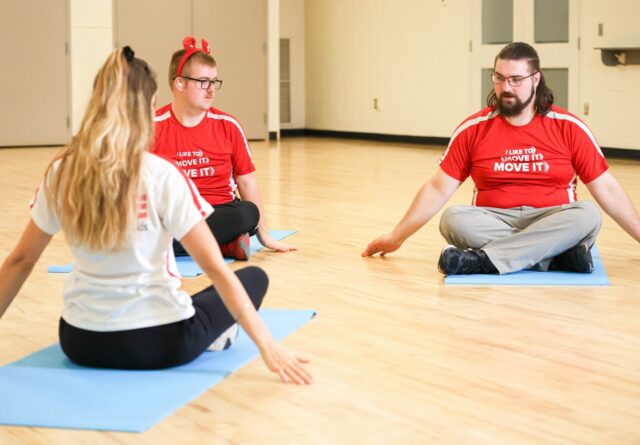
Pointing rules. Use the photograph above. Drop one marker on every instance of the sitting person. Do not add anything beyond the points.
(524, 155)
(118, 205)
(211, 147)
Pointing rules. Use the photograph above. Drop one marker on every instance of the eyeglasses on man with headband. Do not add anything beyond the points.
(205, 84)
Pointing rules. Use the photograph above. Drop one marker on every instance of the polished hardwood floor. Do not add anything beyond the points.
(398, 357)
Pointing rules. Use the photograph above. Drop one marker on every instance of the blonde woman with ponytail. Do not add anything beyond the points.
(119, 208)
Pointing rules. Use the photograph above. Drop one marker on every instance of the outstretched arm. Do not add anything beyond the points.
(433, 195)
(202, 246)
(608, 192)
(248, 187)
(19, 264)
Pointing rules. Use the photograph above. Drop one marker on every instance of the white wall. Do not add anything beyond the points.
(410, 54)
(91, 43)
(413, 56)
(292, 28)
(613, 93)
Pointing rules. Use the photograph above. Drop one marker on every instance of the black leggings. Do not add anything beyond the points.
(162, 346)
(228, 221)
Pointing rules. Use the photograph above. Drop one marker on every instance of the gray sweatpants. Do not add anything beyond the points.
(521, 237)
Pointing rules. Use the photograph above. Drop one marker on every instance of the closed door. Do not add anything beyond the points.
(237, 32)
(34, 98)
(550, 26)
(154, 29)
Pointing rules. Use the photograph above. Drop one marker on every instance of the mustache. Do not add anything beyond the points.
(505, 94)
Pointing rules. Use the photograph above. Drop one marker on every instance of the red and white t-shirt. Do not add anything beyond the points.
(139, 286)
(212, 154)
(531, 165)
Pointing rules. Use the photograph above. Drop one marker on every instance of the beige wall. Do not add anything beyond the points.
(91, 43)
(292, 28)
(413, 55)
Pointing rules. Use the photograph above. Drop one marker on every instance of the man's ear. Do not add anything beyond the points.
(178, 83)
(537, 78)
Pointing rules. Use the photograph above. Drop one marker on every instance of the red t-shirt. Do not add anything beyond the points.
(531, 165)
(212, 154)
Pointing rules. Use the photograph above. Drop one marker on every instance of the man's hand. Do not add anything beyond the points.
(275, 245)
(385, 244)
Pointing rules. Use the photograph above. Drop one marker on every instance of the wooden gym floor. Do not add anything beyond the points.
(398, 357)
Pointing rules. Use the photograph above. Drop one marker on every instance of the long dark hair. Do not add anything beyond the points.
(524, 51)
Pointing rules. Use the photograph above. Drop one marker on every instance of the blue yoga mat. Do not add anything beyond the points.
(45, 389)
(186, 265)
(535, 278)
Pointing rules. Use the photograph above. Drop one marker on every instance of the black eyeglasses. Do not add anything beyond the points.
(514, 81)
(205, 84)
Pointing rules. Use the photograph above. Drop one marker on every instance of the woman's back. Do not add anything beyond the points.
(137, 286)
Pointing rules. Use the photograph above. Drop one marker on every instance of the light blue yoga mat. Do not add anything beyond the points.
(186, 265)
(45, 389)
(534, 278)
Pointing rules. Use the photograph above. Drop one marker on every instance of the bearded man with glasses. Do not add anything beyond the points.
(212, 149)
(524, 155)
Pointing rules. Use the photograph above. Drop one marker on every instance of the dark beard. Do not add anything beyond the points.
(517, 106)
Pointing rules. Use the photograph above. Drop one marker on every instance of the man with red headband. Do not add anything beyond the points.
(212, 149)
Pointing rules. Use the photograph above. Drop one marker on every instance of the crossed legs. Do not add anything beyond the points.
(228, 221)
(523, 237)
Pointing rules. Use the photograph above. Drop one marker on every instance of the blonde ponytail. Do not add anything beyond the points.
(95, 185)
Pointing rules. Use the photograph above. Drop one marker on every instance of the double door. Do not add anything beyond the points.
(551, 26)
(237, 33)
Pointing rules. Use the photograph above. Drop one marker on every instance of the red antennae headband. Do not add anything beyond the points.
(189, 44)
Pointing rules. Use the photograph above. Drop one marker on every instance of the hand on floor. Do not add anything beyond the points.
(287, 365)
(278, 246)
(384, 244)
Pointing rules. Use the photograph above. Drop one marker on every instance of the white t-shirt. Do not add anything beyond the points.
(140, 286)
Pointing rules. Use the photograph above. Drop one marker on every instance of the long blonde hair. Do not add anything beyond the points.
(94, 188)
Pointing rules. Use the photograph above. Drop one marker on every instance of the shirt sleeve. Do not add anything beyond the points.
(241, 154)
(42, 214)
(456, 160)
(183, 205)
(588, 160)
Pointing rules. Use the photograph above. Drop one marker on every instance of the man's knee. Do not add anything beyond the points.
(250, 215)
(454, 219)
(589, 214)
(590, 208)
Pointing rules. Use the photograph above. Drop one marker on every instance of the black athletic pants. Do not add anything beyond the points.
(229, 221)
(161, 346)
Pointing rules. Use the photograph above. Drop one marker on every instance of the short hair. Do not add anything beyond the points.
(198, 57)
(524, 51)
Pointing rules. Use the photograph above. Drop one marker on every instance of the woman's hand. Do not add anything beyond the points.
(287, 365)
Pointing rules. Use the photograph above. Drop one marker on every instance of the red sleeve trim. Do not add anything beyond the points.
(35, 197)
